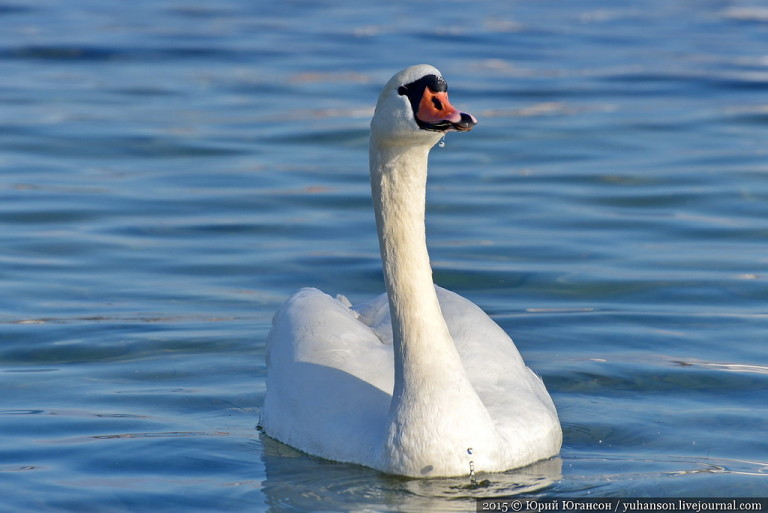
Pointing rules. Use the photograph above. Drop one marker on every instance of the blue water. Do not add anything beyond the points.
(173, 170)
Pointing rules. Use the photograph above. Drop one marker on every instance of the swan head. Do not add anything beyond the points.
(414, 108)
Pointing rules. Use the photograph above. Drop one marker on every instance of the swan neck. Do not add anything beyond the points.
(398, 182)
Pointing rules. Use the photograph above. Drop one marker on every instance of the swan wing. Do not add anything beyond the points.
(330, 379)
(515, 397)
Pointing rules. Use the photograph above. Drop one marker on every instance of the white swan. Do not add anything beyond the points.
(419, 381)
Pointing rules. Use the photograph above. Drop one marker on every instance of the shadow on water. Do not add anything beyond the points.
(296, 481)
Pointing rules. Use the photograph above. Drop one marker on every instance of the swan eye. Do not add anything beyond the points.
(402, 90)
(437, 103)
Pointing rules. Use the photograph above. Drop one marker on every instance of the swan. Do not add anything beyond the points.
(418, 381)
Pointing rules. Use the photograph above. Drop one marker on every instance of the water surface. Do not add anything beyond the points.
(172, 171)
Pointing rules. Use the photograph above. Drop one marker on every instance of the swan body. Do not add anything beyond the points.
(417, 381)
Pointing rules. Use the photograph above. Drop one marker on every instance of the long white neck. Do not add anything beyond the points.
(435, 414)
(422, 343)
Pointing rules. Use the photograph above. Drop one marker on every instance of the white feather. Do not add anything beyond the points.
(418, 381)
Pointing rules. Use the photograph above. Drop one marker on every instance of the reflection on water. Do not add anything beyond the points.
(301, 482)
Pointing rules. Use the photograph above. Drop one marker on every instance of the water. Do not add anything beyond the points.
(172, 171)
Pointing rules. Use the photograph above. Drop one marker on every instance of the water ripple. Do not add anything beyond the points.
(172, 171)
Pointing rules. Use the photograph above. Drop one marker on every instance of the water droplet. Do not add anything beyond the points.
(442, 142)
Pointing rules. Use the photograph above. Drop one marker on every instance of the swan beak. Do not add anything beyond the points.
(437, 114)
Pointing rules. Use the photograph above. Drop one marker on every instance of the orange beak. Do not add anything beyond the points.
(437, 113)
